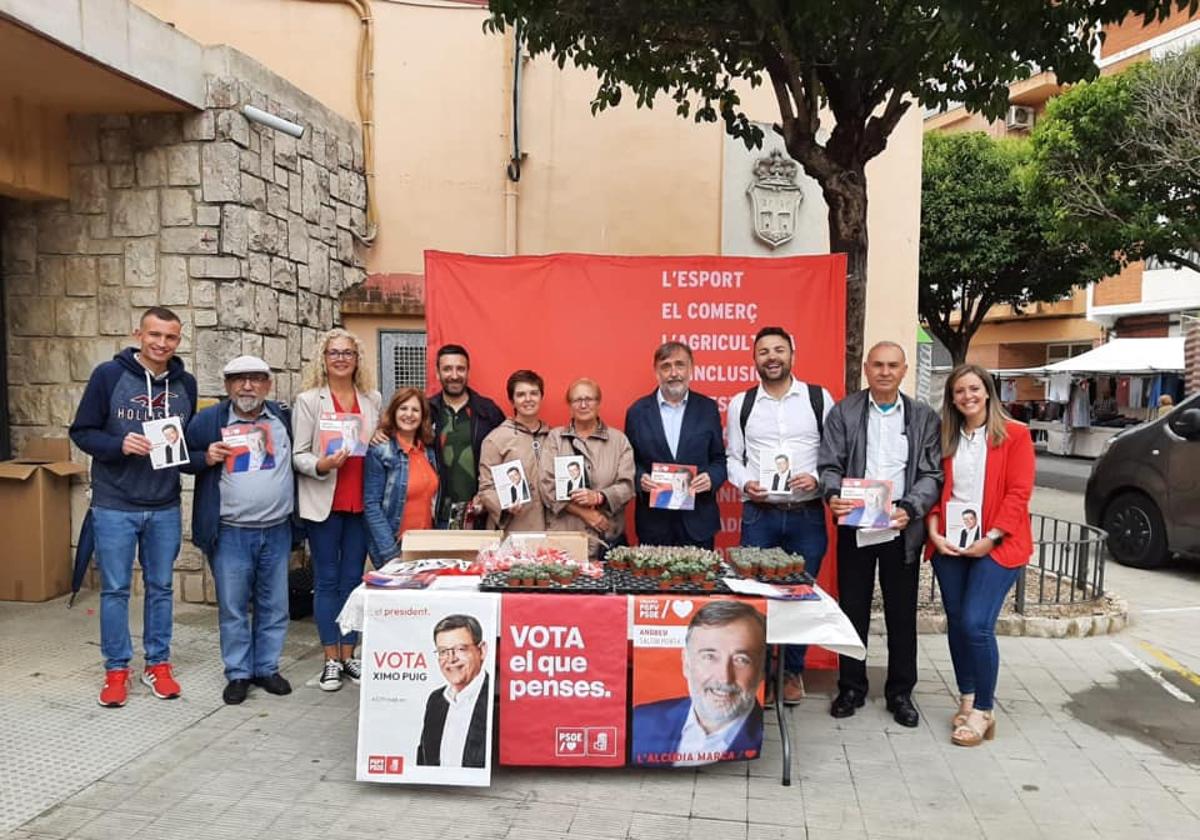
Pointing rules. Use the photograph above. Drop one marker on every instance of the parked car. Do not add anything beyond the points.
(1145, 489)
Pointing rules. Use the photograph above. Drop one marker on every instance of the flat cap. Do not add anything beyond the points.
(247, 364)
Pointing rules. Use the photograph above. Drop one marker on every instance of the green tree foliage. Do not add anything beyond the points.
(862, 62)
(984, 238)
(1118, 164)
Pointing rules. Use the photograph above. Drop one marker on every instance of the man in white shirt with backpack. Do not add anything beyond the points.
(780, 413)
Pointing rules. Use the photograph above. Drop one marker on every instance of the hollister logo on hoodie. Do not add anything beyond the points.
(120, 396)
(149, 408)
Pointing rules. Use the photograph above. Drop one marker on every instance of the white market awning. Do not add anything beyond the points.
(1133, 356)
(1128, 356)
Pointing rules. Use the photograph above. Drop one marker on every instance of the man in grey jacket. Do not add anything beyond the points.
(881, 434)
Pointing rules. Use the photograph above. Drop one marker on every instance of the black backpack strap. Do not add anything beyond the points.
(816, 396)
(747, 407)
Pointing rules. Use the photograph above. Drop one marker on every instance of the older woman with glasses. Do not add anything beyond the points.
(598, 508)
(339, 401)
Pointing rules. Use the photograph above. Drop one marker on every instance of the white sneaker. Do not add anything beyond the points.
(331, 676)
(352, 668)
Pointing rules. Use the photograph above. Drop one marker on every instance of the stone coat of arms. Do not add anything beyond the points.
(775, 198)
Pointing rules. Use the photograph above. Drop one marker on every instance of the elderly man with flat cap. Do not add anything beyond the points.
(242, 521)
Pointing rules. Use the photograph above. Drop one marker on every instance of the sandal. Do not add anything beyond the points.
(976, 730)
(966, 703)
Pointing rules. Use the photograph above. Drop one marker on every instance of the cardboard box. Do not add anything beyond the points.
(35, 507)
(575, 543)
(451, 545)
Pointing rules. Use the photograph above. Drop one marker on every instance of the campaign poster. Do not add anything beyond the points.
(562, 680)
(426, 700)
(698, 669)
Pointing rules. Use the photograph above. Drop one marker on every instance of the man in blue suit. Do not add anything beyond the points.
(675, 425)
(720, 719)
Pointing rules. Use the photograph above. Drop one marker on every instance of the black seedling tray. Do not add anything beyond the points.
(581, 585)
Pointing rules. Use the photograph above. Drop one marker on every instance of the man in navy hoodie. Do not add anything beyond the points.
(135, 508)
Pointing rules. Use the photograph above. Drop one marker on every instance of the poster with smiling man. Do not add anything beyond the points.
(426, 698)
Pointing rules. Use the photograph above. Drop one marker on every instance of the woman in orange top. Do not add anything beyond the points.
(400, 483)
(979, 553)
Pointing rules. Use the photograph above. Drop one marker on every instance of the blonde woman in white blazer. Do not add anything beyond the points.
(329, 478)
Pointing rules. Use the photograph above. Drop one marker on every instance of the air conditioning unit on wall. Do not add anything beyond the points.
(1020, 118)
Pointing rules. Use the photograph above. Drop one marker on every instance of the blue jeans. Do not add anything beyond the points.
(973, 590)
(339, 553)
(800, 531)
(154, 536)
(250, 566)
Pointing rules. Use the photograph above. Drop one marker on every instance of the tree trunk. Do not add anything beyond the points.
(846, 196)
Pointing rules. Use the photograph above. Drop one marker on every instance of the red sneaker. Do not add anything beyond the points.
(159, 678)
(116, 688)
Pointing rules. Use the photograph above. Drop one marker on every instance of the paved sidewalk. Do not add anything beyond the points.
(1089, 744)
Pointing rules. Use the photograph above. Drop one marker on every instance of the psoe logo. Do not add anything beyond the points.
(570, 742)
(389, 765)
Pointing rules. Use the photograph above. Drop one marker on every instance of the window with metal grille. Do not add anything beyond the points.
(401, 361)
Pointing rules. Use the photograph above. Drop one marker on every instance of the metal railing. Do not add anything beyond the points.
(1066, 567)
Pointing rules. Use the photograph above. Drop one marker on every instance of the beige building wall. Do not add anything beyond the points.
(628, 181)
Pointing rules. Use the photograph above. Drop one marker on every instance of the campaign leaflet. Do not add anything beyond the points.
(512, 488)
(673, 486)
(873, 498)
(698, 667)
(251, 447)
(570, 474)
(562, 680)
(420, 649)
(775, 470)
(963, 524)
(338, 431)
(167, 446)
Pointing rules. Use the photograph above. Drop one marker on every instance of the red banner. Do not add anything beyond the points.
(562, 680)
(572, 315)
(698, 669)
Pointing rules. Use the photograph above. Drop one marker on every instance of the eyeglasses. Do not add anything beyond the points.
(455, 652)
(252, 378)
(585, 400)
(341, 354)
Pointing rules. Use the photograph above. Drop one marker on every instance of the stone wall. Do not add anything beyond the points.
(246, 232)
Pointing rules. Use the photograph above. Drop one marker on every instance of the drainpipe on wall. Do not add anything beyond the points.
(513, 170)
(5, 433)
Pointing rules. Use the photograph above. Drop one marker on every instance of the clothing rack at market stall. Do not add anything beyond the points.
(1092, 396)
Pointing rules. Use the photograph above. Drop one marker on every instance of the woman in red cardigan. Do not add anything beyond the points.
(978, 555)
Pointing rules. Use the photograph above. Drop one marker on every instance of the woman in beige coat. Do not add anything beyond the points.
(521, 437)
(608, 468)
(338, 393)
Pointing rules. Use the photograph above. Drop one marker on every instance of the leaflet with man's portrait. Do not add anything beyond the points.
(570, 474)
(167, 447)
(426, 704)
(512, 488)
(873, 502)
(338, 431)
(775, 470)
(251, 447)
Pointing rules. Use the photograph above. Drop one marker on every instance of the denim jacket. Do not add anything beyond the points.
(385, 488)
